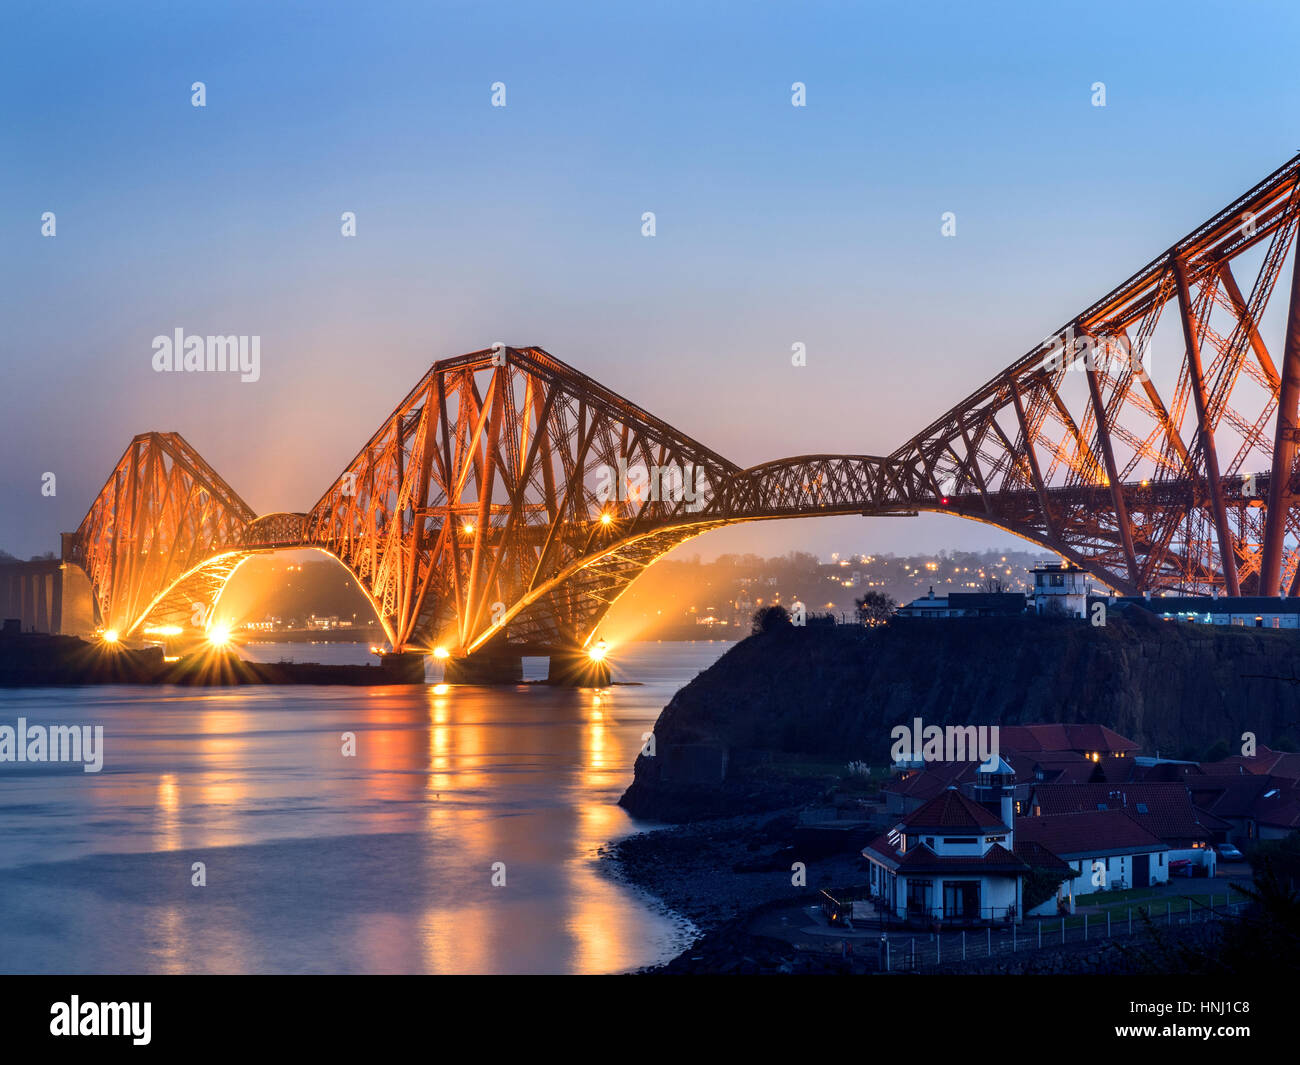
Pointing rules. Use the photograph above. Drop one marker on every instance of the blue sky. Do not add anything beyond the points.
(775, 224)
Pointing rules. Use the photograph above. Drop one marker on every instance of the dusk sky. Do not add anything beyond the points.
(775, 224)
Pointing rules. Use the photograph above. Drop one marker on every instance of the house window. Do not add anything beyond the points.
(1162, 857)
(959, 839)
(929, 842)
(1277, 623)
(995, 839)
(918, 895)
(1018, 807)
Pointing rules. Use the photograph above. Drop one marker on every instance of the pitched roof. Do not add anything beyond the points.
(1266, 762)
(951, 810)
(1088, 834)
(935, 777)
(1233, 796)
(1034, 854)
(1278, 808)
(1165, 808)
(1032, 739)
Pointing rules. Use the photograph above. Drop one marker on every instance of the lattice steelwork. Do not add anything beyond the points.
(162, 518)
(500, 501)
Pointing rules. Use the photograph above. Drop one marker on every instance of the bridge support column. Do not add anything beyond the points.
(574, 668)
(485, 667)
(406, 667)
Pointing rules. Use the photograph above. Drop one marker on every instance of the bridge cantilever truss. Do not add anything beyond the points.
(511, 498)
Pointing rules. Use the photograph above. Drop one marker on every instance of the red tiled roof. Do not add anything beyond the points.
(1036, 855)
(1280, 810)
(920, 858)
(1032, 739)
(935, 777)
(928, 782)
(1233, 796)
(1265, 763)
(1088, 834)
(951, 810)
(1165, 809)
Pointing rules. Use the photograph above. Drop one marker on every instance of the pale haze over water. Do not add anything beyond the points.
(315, 862)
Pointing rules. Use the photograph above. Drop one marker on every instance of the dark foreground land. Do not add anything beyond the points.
(751, 767)
(732, 878)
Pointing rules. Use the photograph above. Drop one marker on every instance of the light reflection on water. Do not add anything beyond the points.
(316, 862)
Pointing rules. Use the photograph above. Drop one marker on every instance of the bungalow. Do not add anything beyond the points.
(1163, 809)
(951, 860)
(965, 605)
(1104, 848)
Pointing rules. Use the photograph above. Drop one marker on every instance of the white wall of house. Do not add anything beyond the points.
(1115, 871)
(996, 892)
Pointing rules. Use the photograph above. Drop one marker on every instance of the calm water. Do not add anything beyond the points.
(317, 862)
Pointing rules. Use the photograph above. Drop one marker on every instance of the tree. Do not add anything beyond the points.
(771, 618)
(875, 608)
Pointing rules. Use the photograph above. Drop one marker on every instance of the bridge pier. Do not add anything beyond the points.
(577, 669)
(485, 667)
(406, 667)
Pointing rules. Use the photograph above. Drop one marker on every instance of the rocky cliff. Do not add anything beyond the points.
(833, 695)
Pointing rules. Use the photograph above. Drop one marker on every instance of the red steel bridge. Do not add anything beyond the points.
(1152, 441)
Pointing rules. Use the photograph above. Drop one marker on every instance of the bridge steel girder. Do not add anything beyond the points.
(496, 505)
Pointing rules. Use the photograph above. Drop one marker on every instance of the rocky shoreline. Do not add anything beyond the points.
(724, 873)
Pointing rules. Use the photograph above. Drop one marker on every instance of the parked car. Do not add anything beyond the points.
(1228, 853)
(1181, 867)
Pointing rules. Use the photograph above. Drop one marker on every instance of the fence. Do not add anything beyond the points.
(908, 951)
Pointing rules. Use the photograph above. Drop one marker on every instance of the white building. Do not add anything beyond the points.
(1060, 590)
(1107, 850)
(953, 860)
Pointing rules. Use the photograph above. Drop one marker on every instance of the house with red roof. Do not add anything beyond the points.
(954, 860)
(1094, 742)
(1105, 849)
(1164, 809)
(1255, 807)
